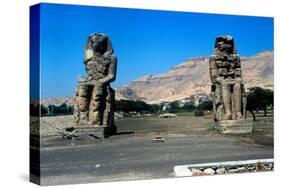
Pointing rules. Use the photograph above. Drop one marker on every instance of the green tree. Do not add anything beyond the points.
(154, 108)
(136, 106)
(206, 105)
(188, 107)
(43, 110)
(140, 106)
(259, 99)
(174, 106)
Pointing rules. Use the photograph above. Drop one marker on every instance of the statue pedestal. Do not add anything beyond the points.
(84, 130)
(78, 132)
(241, 126)
(96, 132)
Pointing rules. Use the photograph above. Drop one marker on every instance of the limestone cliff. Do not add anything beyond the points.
(192, 77)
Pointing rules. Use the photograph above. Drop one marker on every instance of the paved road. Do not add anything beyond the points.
(125, 157)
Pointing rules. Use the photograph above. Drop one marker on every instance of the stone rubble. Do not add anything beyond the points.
(196, 172)
(220, 171)
(241, 169)
(258, 167)
(209, 171)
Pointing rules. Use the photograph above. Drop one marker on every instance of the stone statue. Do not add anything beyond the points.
(93, 97)
(228, 91)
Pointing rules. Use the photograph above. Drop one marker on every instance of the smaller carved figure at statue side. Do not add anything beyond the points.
(95, 98)
(228, 92)
(76, 109)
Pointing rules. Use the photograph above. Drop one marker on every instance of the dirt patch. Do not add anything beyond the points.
(185, 125)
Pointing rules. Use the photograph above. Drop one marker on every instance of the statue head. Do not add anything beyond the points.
(225, 44)
(100, 43)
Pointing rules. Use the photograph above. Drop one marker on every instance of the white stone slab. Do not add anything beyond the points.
(185, 170)
(182, 171)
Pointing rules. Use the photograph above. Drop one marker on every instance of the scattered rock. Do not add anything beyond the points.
(196, 172)
(259, 166)
(263, 167)
(70, 133)
(220, 171)
(270, 166)
(209, 171)
(232, 171)
(251, 169)
(241, 169)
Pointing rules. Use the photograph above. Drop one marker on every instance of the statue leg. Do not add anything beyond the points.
(237, 97)
(214, 101)
(76, 110)
(96, 106)
(83, 101)
(218, 103)
(108, 118)
(226, 97)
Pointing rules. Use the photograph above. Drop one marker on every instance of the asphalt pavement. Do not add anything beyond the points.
(133, 157)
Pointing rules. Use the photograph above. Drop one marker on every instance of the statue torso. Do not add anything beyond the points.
(98, 67)
(228, 65)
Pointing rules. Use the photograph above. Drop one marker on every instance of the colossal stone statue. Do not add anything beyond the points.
(228, 92)
(93, 97)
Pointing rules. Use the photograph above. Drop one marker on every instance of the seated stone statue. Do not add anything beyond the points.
(228, 93)
(94, 98)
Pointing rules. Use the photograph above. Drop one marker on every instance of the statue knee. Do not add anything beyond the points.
(83, 91)
(237, 87)
(83, 104)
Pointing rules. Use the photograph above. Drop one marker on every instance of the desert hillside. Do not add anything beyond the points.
(192, 77)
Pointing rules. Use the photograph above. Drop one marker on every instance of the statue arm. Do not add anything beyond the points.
(111, 72)
(86, 60)
(213, 69)
(238, 71)
(88, 55)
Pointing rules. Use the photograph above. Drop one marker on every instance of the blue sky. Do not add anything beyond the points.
(144, 41)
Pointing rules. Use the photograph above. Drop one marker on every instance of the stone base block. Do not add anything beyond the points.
(241, 126)
(97, 132)
(78, 132)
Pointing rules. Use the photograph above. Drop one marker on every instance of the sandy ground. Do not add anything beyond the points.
(185, 125)
(131, 154)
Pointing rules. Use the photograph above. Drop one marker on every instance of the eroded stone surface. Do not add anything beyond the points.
(228, 92)
(241, 126)
(93, 97)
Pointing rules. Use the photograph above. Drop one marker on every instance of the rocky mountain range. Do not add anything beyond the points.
(186, 79)
(192, 77)
(57, 101)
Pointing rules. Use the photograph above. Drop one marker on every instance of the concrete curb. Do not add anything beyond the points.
(185, 170)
